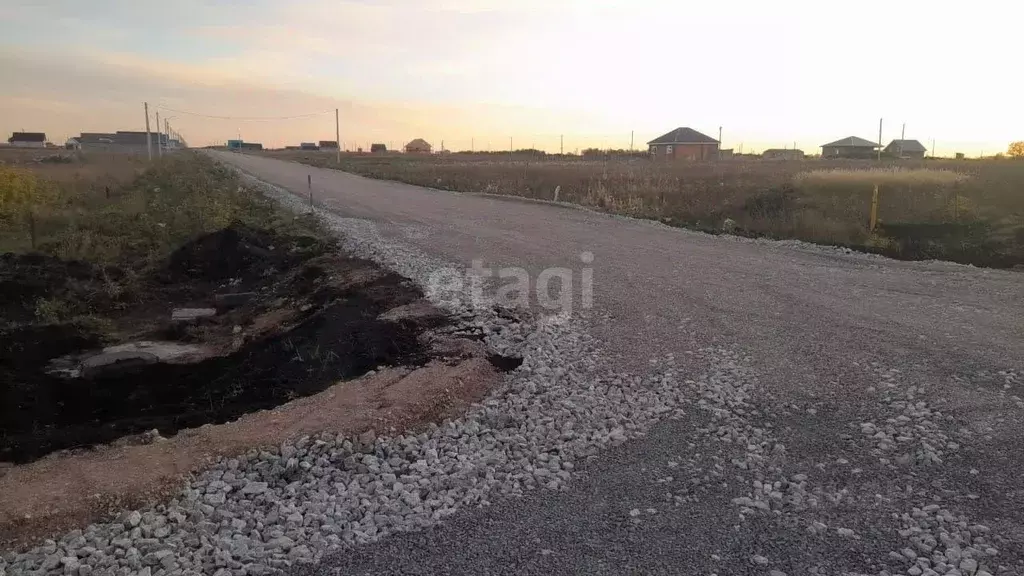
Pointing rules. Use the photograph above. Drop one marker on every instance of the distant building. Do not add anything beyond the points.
(418, 146)
(134, 139)
(849, 147)
(73, 144)
(328, 145)
(91, 138)
(252, 146)
(378, 148)
(234, 144)
(782, 154)
(684, 144)
(308, 146)
(27, 140)
(123, 141)
(910, 149)
(725, 153)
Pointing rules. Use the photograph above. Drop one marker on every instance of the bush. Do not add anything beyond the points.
(20, 192)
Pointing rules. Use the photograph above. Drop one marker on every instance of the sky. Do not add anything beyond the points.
(477, 73)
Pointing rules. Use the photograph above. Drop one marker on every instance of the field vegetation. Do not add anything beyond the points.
(967, 210)
(82, 237)
(115, 209)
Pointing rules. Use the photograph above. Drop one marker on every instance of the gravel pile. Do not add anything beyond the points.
(914, 436)
(917, 436)
(941, 542)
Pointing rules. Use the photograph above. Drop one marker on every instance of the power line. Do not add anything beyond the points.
(245, 118)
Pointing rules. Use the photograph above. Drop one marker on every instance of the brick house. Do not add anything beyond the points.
(418, 146)
(849, 147)
(684, 144)
(906, 149)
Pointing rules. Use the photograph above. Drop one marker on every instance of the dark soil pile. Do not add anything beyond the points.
(333, 333)
(240, 252)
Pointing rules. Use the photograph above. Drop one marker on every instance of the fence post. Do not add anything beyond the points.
(956, 202)
(874, 208)
(32, 227)
(309, 183)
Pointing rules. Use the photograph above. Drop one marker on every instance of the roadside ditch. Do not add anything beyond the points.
(243, 338)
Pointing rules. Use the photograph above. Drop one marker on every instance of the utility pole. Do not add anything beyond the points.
(631, 140)
(149, 143)
(472, 144)
(903, 133)
(719, 136)
(509, 147)
(879, 139)
(933, 148)
(337, 134)
(159, 144)
(561, 144)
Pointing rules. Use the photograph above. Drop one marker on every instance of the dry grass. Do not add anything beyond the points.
(971, 211)
(892, 176)
(115, 209)
(75, 169)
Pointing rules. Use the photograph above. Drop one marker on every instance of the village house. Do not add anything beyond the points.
(418, 146)
(684, 144)
(850, 147)
(907, 149)
(27, 140)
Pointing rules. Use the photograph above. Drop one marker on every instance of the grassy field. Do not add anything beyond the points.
(118, 214)
(966, 211)
(116, 208)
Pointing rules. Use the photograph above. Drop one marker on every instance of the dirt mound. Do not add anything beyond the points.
(310, 317)
(340, 338)
(290, 355)
(237, 251)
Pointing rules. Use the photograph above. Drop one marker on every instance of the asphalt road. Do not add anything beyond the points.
(827, 333)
